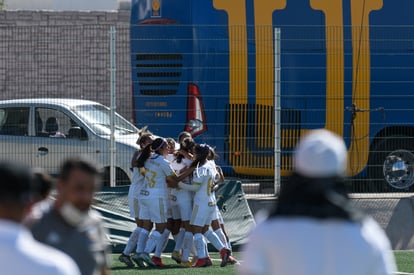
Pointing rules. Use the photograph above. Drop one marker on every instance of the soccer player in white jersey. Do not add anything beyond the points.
(153, 198)
(171, 228)
(217, 223)
(182, 205)
(137, 183)
(204, 207)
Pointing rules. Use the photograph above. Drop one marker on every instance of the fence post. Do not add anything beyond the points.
(112, 150)
(277, 109)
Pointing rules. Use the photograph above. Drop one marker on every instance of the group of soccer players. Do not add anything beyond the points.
(172, 192)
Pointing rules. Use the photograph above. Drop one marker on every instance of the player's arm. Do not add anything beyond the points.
(220, 172)
(186, 154)
(173, 179)
(190, 187)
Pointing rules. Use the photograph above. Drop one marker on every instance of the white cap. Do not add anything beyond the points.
(321, 154)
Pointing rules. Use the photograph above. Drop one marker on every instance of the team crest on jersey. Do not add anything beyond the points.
(156, 8)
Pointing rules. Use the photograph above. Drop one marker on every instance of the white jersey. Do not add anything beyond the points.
(137, 182)
(204, 177)
(157, 169)
(137, 178)
(22, 254)
(317, 247)
(170, 158)
(181, 194)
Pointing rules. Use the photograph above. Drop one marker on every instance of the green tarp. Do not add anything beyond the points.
(238, 218)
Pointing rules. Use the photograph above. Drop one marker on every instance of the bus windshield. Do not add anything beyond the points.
(98, 117)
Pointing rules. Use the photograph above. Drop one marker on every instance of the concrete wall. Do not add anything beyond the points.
(64, 54)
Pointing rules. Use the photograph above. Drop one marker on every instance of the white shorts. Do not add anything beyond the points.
(133, 200)
(181, 209)
(202, 214)
(154, 209)
(217, 216)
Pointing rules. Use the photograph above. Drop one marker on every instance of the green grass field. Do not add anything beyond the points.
(405, 263)
(405, 260)
(173, 268)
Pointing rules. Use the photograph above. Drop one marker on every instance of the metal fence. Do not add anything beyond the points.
(73, 61)
(64, 61)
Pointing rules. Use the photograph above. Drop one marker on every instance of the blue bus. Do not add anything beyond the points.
(208, 67)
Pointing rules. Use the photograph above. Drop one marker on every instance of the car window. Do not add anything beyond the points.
(98, 117)
(52, 123)
(14, 121)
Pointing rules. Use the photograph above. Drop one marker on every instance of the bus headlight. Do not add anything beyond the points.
(196, 117)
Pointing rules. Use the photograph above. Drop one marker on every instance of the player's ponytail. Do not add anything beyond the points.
(155, 146)
(202, 152)
(145, 154)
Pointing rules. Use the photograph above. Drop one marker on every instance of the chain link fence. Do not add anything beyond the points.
(68, 56)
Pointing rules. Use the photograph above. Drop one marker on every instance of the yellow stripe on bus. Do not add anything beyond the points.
(245, 161)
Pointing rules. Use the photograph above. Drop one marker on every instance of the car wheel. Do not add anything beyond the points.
(391, 165)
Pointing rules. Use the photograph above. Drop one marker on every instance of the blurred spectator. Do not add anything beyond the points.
(71, 225)
(315, 230)
(40, 203)
(20, 253)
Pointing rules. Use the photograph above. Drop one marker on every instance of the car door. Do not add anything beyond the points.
(14, 134)
(53, 141)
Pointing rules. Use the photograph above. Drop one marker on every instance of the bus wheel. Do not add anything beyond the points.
(391, 165)
(121, 177)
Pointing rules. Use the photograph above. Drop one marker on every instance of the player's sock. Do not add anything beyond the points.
(132, 241)
(200, 245)
(220, 234)
(214, 239)
(142, 240)
(159, 240)
(165, 237)
(152, 241)
(187, 245)
(179, 239)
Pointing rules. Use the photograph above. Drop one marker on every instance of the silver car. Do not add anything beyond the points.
(42, 132)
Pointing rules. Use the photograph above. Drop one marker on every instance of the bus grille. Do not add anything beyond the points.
(251, 138)
(158, 74)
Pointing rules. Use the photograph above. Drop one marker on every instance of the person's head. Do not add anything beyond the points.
(145, 139)
(212, 155)
(184, 135)
(159, 146)
(42, 184)
(319, 167)
(78, 180)
(201, 153)
(186, 145)
(144, 130)
(15, 190)
(317, 187)
(321, 154)
(171, 145)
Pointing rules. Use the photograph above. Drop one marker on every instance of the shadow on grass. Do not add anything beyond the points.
(167, 266)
